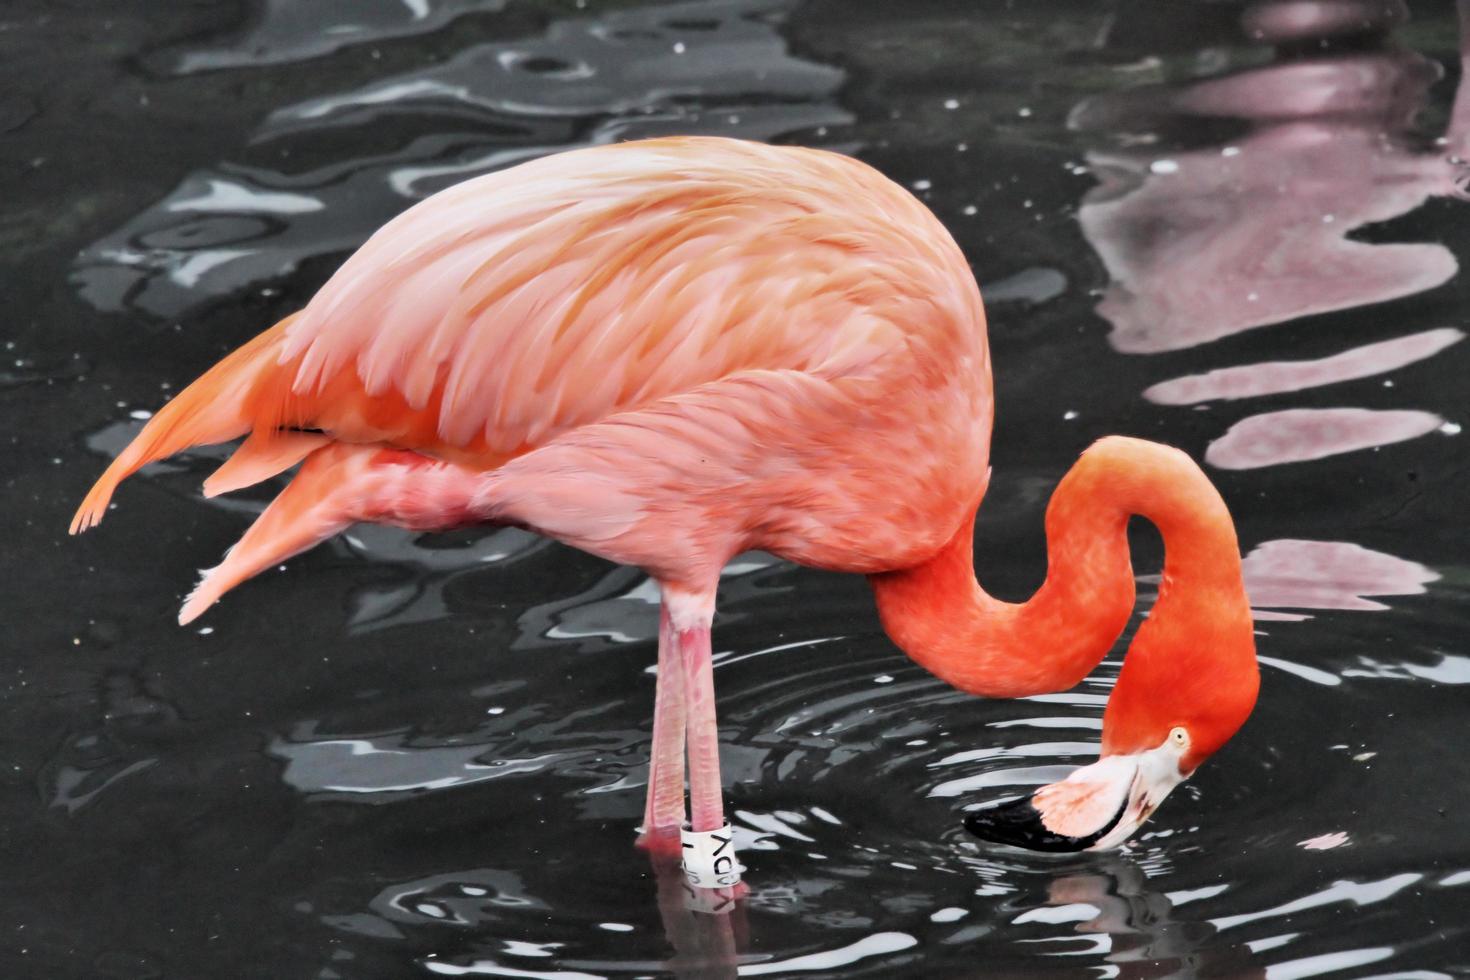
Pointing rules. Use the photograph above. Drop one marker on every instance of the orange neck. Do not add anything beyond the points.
(938, 614)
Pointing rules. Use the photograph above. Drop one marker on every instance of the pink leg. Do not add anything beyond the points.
(707, 809)
(663, 811)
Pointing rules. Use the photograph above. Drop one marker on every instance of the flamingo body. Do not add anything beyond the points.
(672, 351)
(667, 352)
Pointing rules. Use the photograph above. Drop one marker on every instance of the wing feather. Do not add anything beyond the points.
(497, 314)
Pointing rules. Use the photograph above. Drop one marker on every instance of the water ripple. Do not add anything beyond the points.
(713, 66)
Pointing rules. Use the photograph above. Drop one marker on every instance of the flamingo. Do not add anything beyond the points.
(671, 351)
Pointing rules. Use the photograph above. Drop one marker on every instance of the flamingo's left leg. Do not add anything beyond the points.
(663, 811)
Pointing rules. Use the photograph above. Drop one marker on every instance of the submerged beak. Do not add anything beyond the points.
(1095, 808)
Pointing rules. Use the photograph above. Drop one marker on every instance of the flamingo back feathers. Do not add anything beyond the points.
(530, 301)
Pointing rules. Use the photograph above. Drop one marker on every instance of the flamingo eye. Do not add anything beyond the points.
(1179, 737)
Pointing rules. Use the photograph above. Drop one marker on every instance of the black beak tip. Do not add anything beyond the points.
(1018, 823)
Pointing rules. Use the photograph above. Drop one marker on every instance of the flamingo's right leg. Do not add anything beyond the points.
(663, 812)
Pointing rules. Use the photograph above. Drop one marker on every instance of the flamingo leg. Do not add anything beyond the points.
(707, 809)
(684, 730)
(663, 812)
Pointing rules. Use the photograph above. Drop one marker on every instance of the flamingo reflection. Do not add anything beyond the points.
(1297, 575)
(705, 927)
(1210, 241)
(1204, 243)
(1143, 937)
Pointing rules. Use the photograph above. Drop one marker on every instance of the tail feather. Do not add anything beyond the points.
(261, 457)
(212, 409)
(315, 505)
(338, 484)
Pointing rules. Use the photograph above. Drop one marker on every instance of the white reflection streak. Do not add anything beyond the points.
(230, 197)
(726, 661)
(1179, 898)
(773, 824)
(388, 93)
(1093, 723)
(488, 968)
(1101, 943)
(1343, 891)
(1270, 942)
(1067, 697)
(1020, 751)
(188, 272)
(875, 945)
(1030, 778)
(1057, 914)
(1450, 670)
(1312, 966)
(1299, 670)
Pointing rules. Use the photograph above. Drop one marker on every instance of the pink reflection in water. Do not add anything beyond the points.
(1274, 377)
(1296, 435)
(1311, 20)
(1292, 574)
(1204, 243)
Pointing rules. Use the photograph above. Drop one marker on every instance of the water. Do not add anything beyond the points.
(424, 757)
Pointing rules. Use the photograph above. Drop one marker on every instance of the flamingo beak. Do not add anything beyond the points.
(1095, 808)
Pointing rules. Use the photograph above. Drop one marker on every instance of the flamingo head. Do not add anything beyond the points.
(1180, 697)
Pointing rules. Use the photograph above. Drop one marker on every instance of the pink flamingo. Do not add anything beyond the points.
(672, 351)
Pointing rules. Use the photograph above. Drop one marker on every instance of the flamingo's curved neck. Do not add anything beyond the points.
(938, 614)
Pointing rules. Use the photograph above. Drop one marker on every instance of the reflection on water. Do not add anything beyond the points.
(1109, 911)
(1275, 377)
(288, 30)
(96, 759)
(1298, 435)
(1260, 225)
(1292, 574)
(379, 767)
(708, 67)
(1202, 242)
(1135, 925)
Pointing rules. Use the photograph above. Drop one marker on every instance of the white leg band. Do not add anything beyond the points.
(709, 857)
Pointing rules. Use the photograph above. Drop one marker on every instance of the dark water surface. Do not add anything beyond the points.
(1233, 228)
